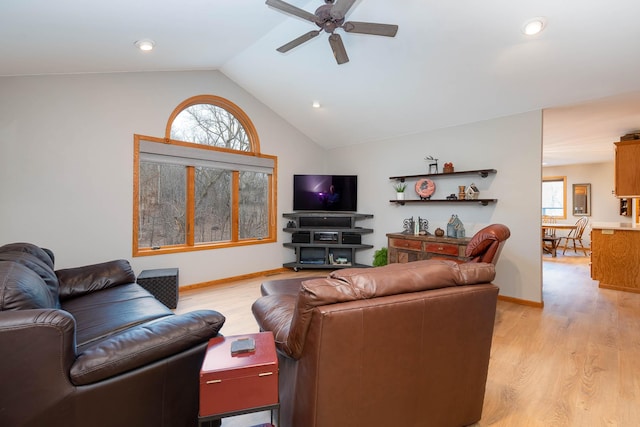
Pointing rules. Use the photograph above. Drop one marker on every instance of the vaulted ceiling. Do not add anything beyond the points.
(452, 62)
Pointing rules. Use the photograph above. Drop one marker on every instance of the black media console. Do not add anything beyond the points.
(325, 239)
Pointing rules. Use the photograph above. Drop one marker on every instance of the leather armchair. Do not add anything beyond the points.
(405, 344)
(89, 347)
(486, 245)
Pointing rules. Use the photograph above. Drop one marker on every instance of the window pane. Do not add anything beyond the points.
(553, 198)
(208, 124)
(161, 205)
(213, 205)
(254, 205)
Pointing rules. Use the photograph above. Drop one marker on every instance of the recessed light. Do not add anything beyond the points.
(315, 104)
(145, 45)
(534, 26)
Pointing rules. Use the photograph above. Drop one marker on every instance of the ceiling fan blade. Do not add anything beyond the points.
(339, 51)
(387, 30)
(341, 8)
(293, 10)
(297, 42)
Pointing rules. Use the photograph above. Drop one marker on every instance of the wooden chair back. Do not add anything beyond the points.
(581, 224)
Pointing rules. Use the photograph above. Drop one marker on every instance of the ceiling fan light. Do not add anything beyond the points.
(145, 45)
(534, 26)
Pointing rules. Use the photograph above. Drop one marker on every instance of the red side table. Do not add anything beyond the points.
(239, 384)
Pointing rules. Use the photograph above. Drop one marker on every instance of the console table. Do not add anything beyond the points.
(403, 247)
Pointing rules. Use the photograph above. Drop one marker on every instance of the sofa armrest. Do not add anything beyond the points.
(145, 344)
(78, 281)
(38, 349)
(274, 313)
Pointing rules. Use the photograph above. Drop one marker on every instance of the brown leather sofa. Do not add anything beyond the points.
(89, 347)
(400, 345)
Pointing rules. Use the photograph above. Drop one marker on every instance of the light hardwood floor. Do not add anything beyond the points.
(576, 362)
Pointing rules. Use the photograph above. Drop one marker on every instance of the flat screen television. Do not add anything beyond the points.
(325, 193)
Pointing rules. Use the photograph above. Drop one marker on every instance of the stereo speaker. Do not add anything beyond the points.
(351, 239)
(301, 237)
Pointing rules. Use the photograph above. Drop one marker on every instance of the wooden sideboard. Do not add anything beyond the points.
(403, 247)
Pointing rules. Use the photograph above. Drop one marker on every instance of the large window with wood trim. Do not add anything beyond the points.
(554, 197)
(205, 184)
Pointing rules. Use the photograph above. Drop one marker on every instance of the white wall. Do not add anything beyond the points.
(511, 145)
(66, 165)
(605, 207)
(66, 171)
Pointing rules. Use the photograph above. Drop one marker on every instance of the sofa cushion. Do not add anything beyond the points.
(22, 289)
(75, 282)
(42, 254)
(37, 266)
(101, 314)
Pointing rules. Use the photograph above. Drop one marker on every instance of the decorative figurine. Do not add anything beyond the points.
(448, 168)
(472, 192)
(439, 232)
(407, 225)
(452, 196)
(423, 227)
(461, 192)
(411, 226)
(455, 228)
(433, 164)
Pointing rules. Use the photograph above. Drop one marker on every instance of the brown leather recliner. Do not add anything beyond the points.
(400, 345)
(88, 346)
(486, 245)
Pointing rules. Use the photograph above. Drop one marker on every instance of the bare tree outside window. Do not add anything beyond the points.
(213, 205)
(254, 196)
(162, 205)
(208, 124)
(216, 195)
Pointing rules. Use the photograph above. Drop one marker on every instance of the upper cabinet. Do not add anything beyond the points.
(627, 170)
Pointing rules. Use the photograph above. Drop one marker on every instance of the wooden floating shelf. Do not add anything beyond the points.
(483, 202)
(481, 172)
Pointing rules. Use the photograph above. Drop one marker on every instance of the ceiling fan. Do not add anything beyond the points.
(329, 17)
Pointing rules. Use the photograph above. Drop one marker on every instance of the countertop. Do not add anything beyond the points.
(626, 226)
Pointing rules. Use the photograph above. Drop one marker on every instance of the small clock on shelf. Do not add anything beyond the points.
(425, 188)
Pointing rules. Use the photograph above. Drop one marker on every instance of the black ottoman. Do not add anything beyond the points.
(162, 283)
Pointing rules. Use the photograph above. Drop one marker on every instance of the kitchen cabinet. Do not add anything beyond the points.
(615, 256)
(627, 175)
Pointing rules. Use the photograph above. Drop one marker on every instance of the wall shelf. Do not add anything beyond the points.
(483, 202)
(481, 172)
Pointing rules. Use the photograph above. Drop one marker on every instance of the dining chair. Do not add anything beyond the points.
(575, 236)
(549, 232)
(549, 240)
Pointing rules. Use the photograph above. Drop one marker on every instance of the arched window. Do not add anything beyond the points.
(205, 185)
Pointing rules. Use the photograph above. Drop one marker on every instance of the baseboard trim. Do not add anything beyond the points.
(521, 301)
(231, 279)
(619, 288)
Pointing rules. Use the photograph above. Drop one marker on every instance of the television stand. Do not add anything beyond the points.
(325, 239)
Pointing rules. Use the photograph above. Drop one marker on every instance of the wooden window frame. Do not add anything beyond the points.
(254, 152)
(564, 193)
